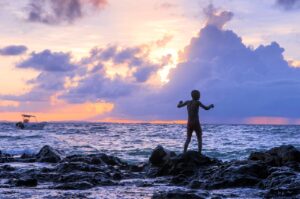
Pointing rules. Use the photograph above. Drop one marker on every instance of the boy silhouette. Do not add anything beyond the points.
(193, 123)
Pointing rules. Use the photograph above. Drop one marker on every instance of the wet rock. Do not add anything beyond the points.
(6, 158)
(275, 171)
(97, 159)
(48, 154)
(117, 176)
(47, 177)
(26, 182)
(277, 156)
(82, 185)
(101, 179)
(7, 167)
(67, 167)
(138, 168)
(195, 184)
(27, 158)
(75, 177)
(179, 194)
(180, 180)
(186, 164)
(236, 174)
(160, 156)
(291, 190)
(189, 163)
(283, 181)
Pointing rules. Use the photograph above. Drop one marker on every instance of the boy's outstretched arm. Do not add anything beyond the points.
(206, 107)
(182, 104)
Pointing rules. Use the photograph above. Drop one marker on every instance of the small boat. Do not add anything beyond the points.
(27, 125)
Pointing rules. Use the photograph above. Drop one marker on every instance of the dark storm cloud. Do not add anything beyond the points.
(60, 11)
(13, 50)
(288, 4)
(48, 61)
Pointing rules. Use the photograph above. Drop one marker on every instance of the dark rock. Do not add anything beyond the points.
(180, 180)
(7, 168)
(195, 184)
(277, 156)
(179, 194)
(189, 163)
(47, 177)
(276, 171)
(103, 179)
(284, 192)
(96, 159)
(279, 176)
(82, 185)
(137, 168)
(160, 156)
(164, 163)
(26, 182)
(6, 158)
(282, 181)
(76, 166)
(196, 158)
(117, 176)
(75, 177)
(26, 156)
(48, 154)
(236, 174)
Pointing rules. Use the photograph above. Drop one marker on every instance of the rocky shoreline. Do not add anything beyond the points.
(276, 172)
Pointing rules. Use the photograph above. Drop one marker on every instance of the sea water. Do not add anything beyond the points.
(134, 143)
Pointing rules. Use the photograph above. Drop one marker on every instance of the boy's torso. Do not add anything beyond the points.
(193, 111)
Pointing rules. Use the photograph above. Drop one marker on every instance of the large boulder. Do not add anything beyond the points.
(277, 156)
(235, 174)
(164, 163)
(48, 154)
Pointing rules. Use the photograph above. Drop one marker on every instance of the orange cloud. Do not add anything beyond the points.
(294, 63)
(6, 103)
(267, 120)
(65, 112)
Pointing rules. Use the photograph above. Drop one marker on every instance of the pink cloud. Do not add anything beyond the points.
(267, 120)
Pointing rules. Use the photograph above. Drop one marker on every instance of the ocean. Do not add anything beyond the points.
(134, 143)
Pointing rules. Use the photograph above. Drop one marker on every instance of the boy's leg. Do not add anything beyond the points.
(199, 138)
(188, 139)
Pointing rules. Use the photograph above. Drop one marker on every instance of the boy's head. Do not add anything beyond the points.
(195, 95)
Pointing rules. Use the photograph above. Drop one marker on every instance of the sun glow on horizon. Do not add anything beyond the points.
(64, 112)
(267, 120)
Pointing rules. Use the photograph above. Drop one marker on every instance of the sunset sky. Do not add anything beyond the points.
(132, 61)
